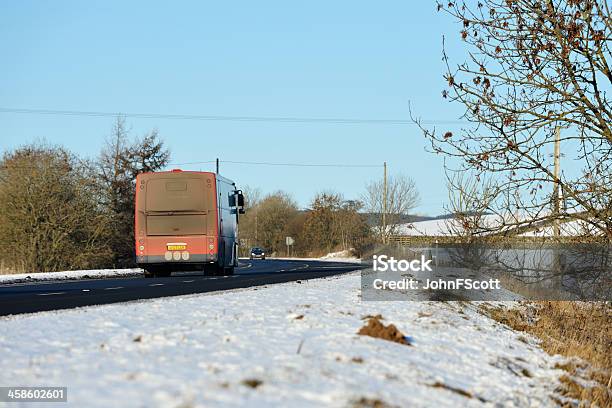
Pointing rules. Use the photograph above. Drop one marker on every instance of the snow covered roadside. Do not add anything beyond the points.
(330, 259)
(291, 344)
(341, 256)
(67, 275)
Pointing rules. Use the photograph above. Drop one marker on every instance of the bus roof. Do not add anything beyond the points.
(175, 171)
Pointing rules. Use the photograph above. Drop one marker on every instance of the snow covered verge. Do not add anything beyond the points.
(84, 274)
(293, 344)
(340, 256)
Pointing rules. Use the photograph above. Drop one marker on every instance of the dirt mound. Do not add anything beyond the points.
(375, 328)
(252, 382)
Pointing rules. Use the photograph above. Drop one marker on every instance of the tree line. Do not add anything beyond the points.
(59, 211)
(330, 223)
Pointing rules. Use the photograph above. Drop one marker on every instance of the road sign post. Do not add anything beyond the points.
(289, 241)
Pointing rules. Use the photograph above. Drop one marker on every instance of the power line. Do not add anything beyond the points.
(302, 164)
(187, 163)
(337, 165)
(281, 164)
(279, 119)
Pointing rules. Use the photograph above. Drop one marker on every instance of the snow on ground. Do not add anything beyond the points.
(340, 256)
(440, 227)
(291, 344)
(84, 274)
(429, 228)
(566, 229)
(447, 227)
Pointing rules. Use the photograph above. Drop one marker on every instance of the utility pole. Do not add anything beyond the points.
(217, 165)
(384, 214)
(558, 265)
(556, 206)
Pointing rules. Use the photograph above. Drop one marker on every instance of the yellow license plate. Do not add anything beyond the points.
(176, 247)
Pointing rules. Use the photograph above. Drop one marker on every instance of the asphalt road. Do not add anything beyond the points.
(36, 297)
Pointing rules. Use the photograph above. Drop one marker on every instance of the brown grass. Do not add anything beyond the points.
(11, 268)
(571, 329)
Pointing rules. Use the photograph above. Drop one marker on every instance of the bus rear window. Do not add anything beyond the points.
(187, 194)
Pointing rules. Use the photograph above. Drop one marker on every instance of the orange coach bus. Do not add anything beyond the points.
(186, 220)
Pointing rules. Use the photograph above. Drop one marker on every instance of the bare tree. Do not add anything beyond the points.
(333, 223)
(274, 214)
(532, 69)
(469, 200)
(352, 227)
(50, 217)
(120, 161)
(321, 222)
(249, 222)
(402, 197)
(252, 197)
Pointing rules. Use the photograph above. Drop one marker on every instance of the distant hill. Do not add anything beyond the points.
(374, 218)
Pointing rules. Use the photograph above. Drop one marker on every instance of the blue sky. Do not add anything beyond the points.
(362, 60)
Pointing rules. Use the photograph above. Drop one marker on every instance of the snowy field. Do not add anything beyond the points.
(446, 226)
(291, 344)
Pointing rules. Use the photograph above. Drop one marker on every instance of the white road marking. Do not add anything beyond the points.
(332, 267)
(156, 284)
(189, 281)
(50, 293)
(84, 290)
(117, 287)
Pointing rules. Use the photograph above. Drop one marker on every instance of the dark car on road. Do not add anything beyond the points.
(257, 252)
